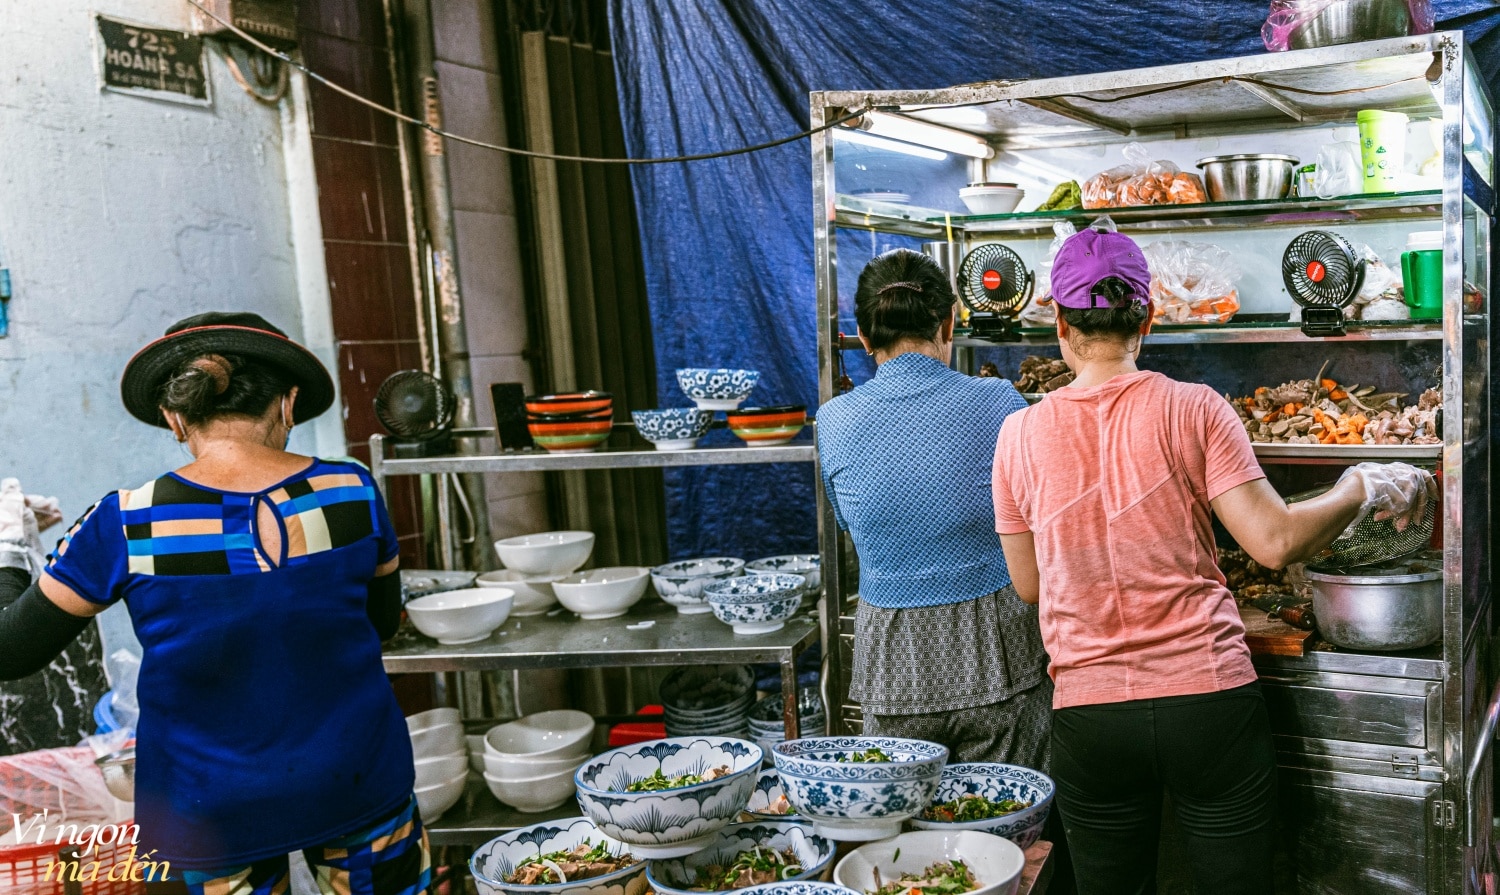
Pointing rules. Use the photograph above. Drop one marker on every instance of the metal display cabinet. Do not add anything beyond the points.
(560, 641)
(1384, 758)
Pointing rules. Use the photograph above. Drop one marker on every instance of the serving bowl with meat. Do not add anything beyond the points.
(859, 788)
(557, 857)
(768, 801)
(1005, 799)
(666, 798)
(745, 855)
(931, 862)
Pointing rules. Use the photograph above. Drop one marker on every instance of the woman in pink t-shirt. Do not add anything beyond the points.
(1103, 495)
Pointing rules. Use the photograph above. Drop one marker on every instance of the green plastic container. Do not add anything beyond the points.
(1382, 149)
(1422, 274)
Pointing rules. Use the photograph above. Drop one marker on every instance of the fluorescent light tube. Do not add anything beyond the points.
(922, 133)
(873, 141)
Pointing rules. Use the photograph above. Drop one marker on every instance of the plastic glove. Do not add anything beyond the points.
(1395, 491)
(20, 538)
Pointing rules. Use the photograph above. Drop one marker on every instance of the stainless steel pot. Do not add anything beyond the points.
(1396, 606)
(1238, 178)
(1348, 21)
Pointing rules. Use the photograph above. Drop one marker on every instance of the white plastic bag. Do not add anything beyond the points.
(54, 786)
(123, 667)
(1338, 172)
(1037, 313)
(1192, 282)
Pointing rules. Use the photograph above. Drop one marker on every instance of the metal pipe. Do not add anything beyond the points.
(452, 335)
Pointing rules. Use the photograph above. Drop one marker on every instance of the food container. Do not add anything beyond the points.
(1247, 178)
(1351, 21)
(1393, 606)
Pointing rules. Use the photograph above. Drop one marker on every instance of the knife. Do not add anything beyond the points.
(1287, 609)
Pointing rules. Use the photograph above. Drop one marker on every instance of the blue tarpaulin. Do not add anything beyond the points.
(728, 243)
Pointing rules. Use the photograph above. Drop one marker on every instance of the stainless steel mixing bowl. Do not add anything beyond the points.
(1349, 21)
(119, 773)
(1254, 177)
(1396, 606)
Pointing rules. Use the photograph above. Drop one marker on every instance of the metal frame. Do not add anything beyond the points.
(1460, 667)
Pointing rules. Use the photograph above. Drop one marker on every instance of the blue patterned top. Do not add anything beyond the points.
(906, 461)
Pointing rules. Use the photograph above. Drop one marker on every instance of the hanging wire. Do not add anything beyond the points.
(401, 116)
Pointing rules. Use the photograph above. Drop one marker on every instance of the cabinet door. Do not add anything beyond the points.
(1351, 833)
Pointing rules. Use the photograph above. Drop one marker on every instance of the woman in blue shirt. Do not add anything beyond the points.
(944, 650)
(260, 584)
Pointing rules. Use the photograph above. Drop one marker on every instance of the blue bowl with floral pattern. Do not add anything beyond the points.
(717, 388)
(859, 800)
(668, 823)
(756, 604)
(687, 876)
(996, 782)
(673, 428)
(681, 583)
(498, 859)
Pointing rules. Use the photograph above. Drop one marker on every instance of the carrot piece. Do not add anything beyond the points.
(1271, 416)
(1338, 394)
(1291, 408)
(1328, 384)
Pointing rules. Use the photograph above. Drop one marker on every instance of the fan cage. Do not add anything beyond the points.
(1321, 270)
(1002, 261)
(431, 417)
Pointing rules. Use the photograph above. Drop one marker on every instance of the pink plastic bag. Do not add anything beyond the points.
(1289, 15)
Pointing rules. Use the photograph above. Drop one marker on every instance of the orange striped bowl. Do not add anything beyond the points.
(766, 426)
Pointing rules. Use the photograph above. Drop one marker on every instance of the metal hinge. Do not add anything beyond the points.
(1444, 815)
(1405, 766)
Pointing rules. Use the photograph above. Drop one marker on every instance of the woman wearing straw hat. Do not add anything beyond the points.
(260, 584)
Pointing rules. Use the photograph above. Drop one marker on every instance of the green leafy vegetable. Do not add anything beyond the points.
(659, 781)
(945, 878)
(965, 808)
(583, 861)
(868, 756)
(755, 867)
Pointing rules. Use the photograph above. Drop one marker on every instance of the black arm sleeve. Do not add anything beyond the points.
(33, 630)
(384, 604)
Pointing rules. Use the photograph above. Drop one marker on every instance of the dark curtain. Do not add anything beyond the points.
(587, 281)
(728, 243)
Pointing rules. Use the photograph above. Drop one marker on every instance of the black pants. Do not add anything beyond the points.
(1213, 752)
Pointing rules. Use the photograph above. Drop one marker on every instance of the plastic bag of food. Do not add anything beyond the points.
(1338, 172)
(1142, 181)
(1289, 15)
(1379, 296)
(1192, 282)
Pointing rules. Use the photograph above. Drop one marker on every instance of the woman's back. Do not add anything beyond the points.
(1133, 603)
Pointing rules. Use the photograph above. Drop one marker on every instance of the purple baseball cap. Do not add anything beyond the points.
(1089, 256)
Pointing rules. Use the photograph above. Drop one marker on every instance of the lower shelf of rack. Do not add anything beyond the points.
(1347, 453)
(479, 817)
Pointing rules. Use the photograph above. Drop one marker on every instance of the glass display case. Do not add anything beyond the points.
(1383, 755)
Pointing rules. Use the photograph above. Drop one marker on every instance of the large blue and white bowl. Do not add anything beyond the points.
(717, 389)
(674, 428)
(859, 801)
(498, 859)
(674, 822)
(681, 583)
(808, 565)
(679, 876)
(756, 604)
(800, 887)
(996, 781)
(767, 793)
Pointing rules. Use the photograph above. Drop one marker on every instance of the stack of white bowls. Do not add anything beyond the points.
(529, 763)
(533, 563)
(767, 728)
(708, 700)
(442, 762)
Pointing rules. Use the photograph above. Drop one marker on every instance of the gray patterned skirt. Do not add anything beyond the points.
(944, 658)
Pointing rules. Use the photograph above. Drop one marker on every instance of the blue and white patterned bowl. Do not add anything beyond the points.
(996, 781)
(756, 604)
(498, 858)
(680, 875)
(674, 822)
(674, 428)
(768, 792)
(800, 887)
(681, 583)
(859, 801)
(808, 565)
(717, 389)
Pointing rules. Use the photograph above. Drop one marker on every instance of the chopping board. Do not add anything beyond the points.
(1271, 636)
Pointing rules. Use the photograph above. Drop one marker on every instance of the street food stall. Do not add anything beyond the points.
(1318, 227)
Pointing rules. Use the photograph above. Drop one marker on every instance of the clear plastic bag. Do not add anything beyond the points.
(1142, 181)
(1338, 172)
(1379, 296)
(1192, 282)
(123, 667)
(1041, 312)
(63, 784)
(1289, 15)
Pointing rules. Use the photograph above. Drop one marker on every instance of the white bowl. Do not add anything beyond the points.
(435, 770)
(510, 767)
(991, 199)
(440, 717)
(534, 594)
(554, 734)
(433, 800)
(995, 862)
(475, 744)
(461, 616)
(436, 733)
(532, 794)
(602, 593)
(498, 858)
(547, 553)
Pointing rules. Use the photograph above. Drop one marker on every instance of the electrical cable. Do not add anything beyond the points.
(528, 153)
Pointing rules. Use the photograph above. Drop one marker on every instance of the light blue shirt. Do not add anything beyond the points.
(906, 461)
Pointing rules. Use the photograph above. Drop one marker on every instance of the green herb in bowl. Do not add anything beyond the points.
(659, 781)
(966, 808)
(583, 861)
(755, 867)
(868, 756)
(945, 878)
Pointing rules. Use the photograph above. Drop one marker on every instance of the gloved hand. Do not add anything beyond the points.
(1395, 491)
(22, 518)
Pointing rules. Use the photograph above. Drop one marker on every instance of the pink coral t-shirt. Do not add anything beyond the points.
(1114, 483)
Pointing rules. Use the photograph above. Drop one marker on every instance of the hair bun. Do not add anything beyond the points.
(216, 366)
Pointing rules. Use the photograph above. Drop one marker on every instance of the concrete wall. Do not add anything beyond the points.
(489, 255)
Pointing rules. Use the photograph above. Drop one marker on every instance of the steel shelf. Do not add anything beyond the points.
(562, 641)
(1248, 333)
(479, 817)
(1348, 453)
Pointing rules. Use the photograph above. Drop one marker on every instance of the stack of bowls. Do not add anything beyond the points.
(709, 699)
(442, 761)
(529, 763)
(681, 583)
(767, 728)
(767, 426)
(756, 604)
(673, 429)
(717, 389)
(533, 593)
(571, 423)
(534, 563)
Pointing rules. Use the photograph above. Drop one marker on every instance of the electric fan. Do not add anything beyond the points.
(995, 285)
(417, 409)
(1323, 273)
